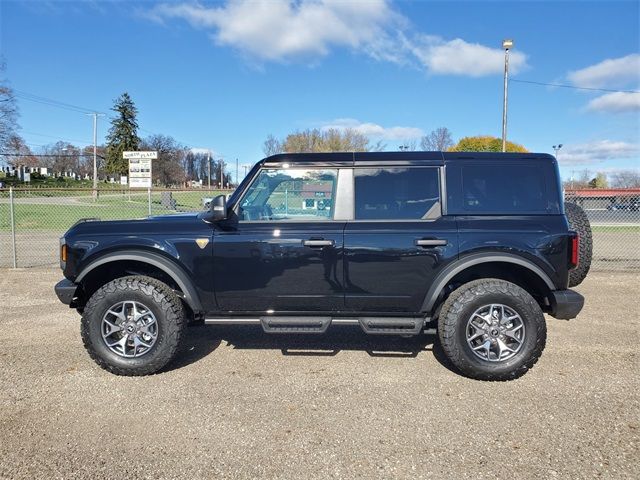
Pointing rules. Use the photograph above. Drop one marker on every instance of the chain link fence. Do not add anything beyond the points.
(33, 220)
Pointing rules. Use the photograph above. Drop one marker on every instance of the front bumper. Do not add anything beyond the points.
(566, 304)
(66, 291)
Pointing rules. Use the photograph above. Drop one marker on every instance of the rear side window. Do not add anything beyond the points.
(503, 188)
(405, 193)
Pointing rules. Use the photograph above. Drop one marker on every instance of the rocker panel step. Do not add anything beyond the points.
(392, 325)
(295, 324)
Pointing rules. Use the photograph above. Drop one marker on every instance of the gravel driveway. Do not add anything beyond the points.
(241, 404)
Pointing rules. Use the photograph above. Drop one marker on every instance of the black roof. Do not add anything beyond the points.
(398, 158)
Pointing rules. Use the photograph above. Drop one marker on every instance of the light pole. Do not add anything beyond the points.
(557, 148)
(507, 45)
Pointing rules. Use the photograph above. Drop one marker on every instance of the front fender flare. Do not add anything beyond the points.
(475, 259)
(172, 269)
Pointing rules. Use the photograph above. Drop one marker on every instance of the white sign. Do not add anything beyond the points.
(151, 155)
(124, 180)
(140, 168)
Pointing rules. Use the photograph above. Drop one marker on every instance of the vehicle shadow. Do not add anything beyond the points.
(201, 340)
(198, 342)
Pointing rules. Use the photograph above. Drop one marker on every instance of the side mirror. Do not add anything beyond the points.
(218, 209)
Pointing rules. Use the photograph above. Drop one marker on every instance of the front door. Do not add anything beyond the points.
(282, 251)
(398, 240)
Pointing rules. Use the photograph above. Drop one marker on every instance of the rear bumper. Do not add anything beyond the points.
(566, 304)
(66, 291)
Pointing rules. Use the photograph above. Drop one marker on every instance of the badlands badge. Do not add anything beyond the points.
(202, 242)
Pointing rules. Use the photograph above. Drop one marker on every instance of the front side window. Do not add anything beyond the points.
(290, 194)
(405, 193)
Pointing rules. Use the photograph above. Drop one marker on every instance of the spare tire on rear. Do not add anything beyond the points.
(579, 222)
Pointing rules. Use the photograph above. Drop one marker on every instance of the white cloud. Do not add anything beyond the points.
(306, 30)
(610, 73)
(616, 102)
(373, 130)
(458, 57)
(598, 151)
(270, 30)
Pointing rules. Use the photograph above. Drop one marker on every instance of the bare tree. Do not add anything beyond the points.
(23, 156)
(8, 111)
(271, 146)
(438, 140)
(626, 179)
(168, 169)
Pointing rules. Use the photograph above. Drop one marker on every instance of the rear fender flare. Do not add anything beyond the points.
(475, 259)
(167, 266)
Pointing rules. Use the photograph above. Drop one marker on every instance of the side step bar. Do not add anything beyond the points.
(392, 325)
(295, 324)
(370, 325)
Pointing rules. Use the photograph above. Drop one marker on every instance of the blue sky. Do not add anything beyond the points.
(224, 75)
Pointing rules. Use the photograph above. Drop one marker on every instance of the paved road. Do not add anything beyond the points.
(240, 404)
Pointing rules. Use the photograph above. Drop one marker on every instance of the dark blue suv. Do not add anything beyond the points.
(477, 244)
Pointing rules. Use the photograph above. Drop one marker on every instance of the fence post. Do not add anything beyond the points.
(13, 228)
(149, 199)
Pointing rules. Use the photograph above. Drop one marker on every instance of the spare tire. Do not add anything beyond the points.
(579, 222)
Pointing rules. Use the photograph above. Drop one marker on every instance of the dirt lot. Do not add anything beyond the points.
(240, 404)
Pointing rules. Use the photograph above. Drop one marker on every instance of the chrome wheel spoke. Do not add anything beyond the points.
(129, 329)
(499, 337)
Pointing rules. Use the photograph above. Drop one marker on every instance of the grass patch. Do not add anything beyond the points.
(616, 228)
(119, 206)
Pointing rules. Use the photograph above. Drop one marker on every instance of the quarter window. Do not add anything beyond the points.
(290, 194)
(503, 188)
(396, 193)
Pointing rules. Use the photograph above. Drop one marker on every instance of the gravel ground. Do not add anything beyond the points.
(241, 404)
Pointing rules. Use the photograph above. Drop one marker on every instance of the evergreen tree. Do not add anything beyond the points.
(123, 134)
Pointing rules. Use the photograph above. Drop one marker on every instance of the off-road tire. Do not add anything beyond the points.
(167, 309)
(579, 222)
(458, 308)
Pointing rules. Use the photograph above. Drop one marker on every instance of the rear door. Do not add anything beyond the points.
(398, 240)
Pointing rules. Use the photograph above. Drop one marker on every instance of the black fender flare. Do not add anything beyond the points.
(171, 268)
(475, 259)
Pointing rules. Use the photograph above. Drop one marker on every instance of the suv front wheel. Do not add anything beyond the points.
(492, 330)
(133, 325)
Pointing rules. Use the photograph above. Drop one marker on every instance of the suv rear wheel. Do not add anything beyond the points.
(133, 325)
(492, 330)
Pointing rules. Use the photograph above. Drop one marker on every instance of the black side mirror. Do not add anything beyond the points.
(218, 209)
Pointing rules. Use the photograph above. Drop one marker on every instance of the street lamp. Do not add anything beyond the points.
(557, 149)
(507, 45)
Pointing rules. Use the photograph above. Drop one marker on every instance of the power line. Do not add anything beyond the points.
(10, 154)
(70, 140)
(50, 102)
(574, 87)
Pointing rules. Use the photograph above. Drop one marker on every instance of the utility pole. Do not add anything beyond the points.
(237, 173)
(95, 116)
(506, 44)
(221, 173)
(209, 167)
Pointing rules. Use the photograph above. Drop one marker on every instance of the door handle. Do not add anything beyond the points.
(430, 242)
(318, 243)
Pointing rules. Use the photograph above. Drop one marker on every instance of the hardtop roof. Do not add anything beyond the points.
(400, 158)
